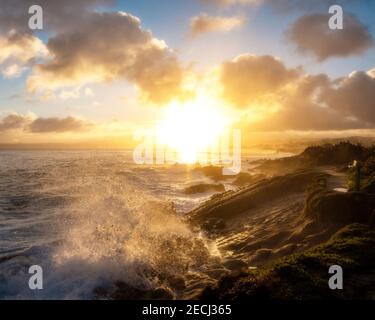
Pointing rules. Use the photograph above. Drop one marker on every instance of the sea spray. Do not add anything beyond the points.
(93, 222)
(131, 236)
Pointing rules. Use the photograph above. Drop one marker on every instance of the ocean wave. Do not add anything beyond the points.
(96, 226)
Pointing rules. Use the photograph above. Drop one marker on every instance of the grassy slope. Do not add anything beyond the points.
(305, 276)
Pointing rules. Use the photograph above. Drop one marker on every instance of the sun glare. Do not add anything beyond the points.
(190, 128)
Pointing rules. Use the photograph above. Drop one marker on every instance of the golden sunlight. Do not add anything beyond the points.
(190, 128)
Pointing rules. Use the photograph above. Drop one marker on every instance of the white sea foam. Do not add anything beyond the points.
(103, 221)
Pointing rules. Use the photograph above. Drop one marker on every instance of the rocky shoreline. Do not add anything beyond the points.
(277, 236)
(283, 233)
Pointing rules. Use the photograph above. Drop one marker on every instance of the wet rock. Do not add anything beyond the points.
(214, 172)
(261, 255)
(203, 187)
(177, 283)
(243, 179)
(124, 291)
(217, 273)
(235, 264)
(161, 294)
(214, 225)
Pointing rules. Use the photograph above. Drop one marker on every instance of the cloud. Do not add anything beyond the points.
(86, 46)
(307, 117)
(88, 92)
(14, 122)
(57, 15)
(306, 5)
(249, 78)
(108, 46)
(312, 35)
(68, 124)
(302, 108)
(205, 23)
(371, 73)
(12, 71)
(33, 124)
(354, 96)
(284, 5)
(233, 2)
(279, 98)
(18, 51)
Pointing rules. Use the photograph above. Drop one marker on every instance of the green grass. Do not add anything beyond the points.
(305, 276)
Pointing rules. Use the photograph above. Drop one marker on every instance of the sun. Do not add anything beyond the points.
(190, 128)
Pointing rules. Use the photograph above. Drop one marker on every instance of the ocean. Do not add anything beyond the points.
(93, 218)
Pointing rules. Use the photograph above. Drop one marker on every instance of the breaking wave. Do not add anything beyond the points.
(96, 232)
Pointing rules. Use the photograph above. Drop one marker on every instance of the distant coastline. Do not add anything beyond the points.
(296, 145)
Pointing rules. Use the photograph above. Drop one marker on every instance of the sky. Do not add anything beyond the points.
(101, 70)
